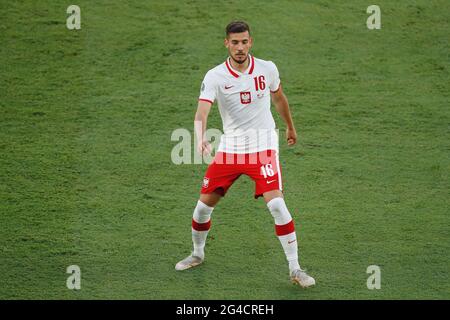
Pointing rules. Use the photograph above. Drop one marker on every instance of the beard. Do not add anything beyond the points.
(240, 61)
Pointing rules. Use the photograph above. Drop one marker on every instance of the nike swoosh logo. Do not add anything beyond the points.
(289, 242)
(228, 87)
(270, 181)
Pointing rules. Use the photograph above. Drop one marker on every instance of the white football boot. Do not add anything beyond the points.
(189, 262)
(301, 278)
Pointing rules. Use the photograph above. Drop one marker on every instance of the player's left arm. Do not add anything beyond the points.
(281, 103)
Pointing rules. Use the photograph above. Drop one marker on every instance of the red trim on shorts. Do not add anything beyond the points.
(231, 71)
(201, 226)
(282, 230)
(206, 100)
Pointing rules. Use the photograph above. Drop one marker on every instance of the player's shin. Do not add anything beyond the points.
(285, 230)
(289, 243)
(201, 223)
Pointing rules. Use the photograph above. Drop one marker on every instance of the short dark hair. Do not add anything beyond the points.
(237, 27)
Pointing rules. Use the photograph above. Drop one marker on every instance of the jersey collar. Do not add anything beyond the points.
(236, 73)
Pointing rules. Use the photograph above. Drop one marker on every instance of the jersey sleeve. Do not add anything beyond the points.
(274, 78)
(208, 90)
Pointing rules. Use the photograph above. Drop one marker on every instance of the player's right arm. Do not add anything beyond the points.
(206, 99)
(200, 121)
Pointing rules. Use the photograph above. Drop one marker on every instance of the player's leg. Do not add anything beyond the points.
(284, 226)
(285, 231)
(201, 223)
(267, 176)
(218, 178)
(210, 199)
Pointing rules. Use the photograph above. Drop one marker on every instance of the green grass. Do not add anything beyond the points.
(86, 176)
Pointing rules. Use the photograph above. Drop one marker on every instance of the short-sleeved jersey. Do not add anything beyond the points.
(244, 105)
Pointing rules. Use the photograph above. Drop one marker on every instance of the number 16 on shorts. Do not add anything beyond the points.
(267, 171)
(272, 175)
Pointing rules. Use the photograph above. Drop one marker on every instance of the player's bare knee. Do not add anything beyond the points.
(210, 199)
(270, 195)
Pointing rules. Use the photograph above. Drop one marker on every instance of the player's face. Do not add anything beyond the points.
(238, 45)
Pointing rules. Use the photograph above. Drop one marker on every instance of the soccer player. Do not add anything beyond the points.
(244, 87)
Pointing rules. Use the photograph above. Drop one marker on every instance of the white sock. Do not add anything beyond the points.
(201, 223)
(285, 230)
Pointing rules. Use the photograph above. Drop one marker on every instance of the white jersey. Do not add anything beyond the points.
(244, 105)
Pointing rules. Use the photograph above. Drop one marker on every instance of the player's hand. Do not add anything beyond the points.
(204, 148)
(291, 136)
